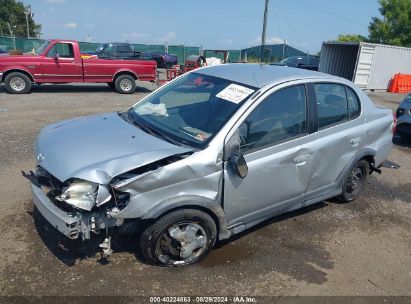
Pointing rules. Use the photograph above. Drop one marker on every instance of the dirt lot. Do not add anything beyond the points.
(361, 248)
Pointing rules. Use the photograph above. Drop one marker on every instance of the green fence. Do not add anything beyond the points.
(27, 45)
(233, 55)
(181, 51)
(272, 53)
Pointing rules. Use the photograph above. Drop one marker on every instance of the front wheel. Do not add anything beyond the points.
(179, 238)
(17, 83)
(125, 84)
(354, 182)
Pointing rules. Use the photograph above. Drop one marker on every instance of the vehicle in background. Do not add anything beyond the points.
(60, 61)
(302, 62)
(403, 116)
(115, 50)
(193, 62)
(163, 59)
(2, 51)
(215, 57)
(208, 156)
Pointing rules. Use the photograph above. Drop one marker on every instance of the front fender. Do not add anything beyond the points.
(190, 202)
(195, 202)
(25, 70)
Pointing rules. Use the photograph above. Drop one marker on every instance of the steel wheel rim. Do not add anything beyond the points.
(17, 84)
(126, 84)
(355, 181)
(181, 243)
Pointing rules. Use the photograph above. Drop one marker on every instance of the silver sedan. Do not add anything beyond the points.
(209, 155)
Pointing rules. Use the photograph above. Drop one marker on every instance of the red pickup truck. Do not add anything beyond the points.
(60, 61)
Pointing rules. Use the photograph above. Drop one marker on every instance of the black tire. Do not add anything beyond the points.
(125, 84)
(17, 83)
(354, 182)
(159, 247)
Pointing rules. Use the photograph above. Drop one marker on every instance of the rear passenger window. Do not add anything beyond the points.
(331, 104)
(354, 109)
(279, 117)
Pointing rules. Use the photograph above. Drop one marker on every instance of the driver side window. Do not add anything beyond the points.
(64, 50)
(278, 118)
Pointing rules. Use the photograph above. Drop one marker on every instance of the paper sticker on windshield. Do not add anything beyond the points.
(235, 93)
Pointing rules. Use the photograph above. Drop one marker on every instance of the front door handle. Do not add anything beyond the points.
(302, 159)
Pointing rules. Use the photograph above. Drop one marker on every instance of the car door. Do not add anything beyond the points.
(274, 139)
(340, 136)
(59, 65)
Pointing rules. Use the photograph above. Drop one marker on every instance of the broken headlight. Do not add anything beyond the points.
(84, 195)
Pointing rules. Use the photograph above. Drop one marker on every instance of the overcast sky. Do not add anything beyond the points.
(229, 24)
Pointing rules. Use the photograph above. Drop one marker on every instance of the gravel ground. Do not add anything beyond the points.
(361, 248)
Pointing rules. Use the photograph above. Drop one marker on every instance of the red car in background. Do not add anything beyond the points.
(60, 61)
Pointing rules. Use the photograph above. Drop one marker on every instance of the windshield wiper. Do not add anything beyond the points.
(146, 128)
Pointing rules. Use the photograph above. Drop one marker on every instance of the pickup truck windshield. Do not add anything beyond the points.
(192, 109)
(43, 47)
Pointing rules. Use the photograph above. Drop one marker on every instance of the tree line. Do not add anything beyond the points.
(13, 20)
(393, 28)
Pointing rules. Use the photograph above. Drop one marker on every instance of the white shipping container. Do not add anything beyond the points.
(370, 66)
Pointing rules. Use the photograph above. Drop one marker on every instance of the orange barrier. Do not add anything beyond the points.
(401, 83)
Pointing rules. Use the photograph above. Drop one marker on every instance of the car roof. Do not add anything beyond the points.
(63, 40)
(258, 75)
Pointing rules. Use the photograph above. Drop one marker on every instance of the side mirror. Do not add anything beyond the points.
(239, 164)
(56, 56)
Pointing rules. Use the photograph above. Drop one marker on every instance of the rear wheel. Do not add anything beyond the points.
(355, 181)
(17, 83)
(179, 238)
(125, 84)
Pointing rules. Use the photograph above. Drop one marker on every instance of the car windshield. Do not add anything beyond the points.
(43, 47)
(191, 110)
(291, 60)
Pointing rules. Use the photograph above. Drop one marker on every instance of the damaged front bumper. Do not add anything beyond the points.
(72, 224)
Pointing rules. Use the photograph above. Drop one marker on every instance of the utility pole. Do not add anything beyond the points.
(11, 35)
(27, 12)
(263, 34)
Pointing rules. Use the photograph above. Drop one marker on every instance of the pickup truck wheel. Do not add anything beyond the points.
(125, 84)
(17, 83)
(354, 182)
(179, 238)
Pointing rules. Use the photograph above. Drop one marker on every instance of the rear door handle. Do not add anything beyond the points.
(302, 159)
(355, 141)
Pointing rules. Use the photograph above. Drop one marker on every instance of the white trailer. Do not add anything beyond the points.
(370, 66)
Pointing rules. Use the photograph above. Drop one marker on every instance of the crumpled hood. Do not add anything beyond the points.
(97, 148)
